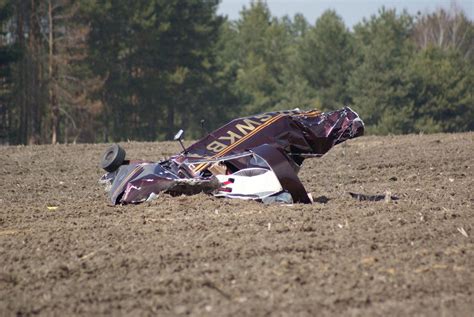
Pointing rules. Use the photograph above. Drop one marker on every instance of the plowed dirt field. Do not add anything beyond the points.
(64, 251)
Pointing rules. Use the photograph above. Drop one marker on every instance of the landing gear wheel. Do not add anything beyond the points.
(112, 158)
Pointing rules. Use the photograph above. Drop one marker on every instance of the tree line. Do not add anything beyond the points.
(114, 70)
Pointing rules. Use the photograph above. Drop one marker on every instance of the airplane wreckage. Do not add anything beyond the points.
(255, 157)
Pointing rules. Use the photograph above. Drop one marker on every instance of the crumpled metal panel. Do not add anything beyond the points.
(278, 141)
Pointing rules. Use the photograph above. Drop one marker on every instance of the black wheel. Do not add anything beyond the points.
(112, 158)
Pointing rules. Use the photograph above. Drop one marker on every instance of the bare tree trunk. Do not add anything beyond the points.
(53, 100)
(34, 76)
(23, 83)
(445, 30)
(170, 122)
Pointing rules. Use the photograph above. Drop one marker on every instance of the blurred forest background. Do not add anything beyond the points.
(112, 70)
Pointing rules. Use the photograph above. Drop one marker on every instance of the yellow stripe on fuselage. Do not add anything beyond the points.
(243, 139)
(201, 166)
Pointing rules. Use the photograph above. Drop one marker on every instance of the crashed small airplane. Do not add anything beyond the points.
(255, 157)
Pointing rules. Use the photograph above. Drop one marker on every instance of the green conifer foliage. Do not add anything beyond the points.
(326, 60)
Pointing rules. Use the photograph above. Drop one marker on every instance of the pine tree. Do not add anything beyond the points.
(444, 101)
(158, 57)
(263, 46)
(326, 60)
(380, 85)
(8, 56)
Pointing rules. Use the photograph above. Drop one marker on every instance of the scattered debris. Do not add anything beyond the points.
(369, 260)
(8, 231)
(390, 271)
(426, 268)
(322, 199)
(252, 158)
(362, 197)
(463, 232)
(213, 286)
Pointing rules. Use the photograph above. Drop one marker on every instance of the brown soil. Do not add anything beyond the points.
(205, 256)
